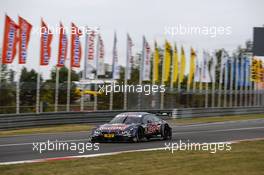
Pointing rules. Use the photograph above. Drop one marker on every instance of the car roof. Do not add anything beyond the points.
(138, 114)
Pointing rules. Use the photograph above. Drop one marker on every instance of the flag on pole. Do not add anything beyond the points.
(45, 41)
(247, 70)
(129, 60)
(24, 37)
(241, 72)
(205, 69)
(224, 59)
(100, 62)
(76, 49)
(182, 66)
(192, 66)
(63, 45)
(198, 70)
(175, 64)
(261, 71)
(146, 61)
(115, 68)
(213, 68)
(156, 63)
(167, 61)
(255, 70)
(10, 40)
(89, 62)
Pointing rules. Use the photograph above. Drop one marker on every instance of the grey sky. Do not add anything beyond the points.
(138, 17)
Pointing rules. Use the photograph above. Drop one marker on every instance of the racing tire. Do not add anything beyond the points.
(139, 135)
(167, 133)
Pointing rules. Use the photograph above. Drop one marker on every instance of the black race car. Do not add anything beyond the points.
(132, 126)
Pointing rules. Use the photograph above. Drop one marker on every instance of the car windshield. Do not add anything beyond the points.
(125, 119)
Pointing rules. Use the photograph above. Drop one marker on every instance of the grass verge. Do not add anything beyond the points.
(47, 129)
(216, 119)
(244, 158)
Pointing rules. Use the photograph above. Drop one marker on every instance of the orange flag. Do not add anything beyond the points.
(76, 49)
(10, 40)
(24, 36)
(45, 41)
(63, 44)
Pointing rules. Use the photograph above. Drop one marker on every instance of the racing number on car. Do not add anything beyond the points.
(152, 128)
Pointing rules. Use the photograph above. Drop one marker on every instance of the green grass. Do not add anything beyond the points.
(215, 119)
(47, 129)
(245, 158)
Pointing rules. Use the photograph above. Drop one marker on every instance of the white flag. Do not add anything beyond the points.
(146, 61)
(224, 59)
(213, 67)
(100, 58)
(129, 60)
(89, 63)
(205, 68)
(115, 68)
(198, 70)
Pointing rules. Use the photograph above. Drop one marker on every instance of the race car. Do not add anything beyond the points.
(133, 127)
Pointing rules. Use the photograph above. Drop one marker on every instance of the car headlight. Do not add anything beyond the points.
(97, 132)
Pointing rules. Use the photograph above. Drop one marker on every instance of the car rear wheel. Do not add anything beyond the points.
(139, 135)
(167, 133)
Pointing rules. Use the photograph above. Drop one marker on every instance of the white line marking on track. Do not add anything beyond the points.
(104, 154)
(30, 143)
(220, 130)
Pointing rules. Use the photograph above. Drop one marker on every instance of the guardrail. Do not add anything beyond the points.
(10, 121)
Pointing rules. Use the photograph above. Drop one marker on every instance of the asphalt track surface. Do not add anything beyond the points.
(20, 148)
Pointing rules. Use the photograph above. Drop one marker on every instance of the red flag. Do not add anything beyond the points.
(24, 36)
(10, 40)
(76, 50)
(45, 41)
(63, 43)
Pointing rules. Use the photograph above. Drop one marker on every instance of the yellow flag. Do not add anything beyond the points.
(167, 61)
(254, 70)
(192, 67)
(175, 65)
(259, 65)
(156, 64)
(182, 68)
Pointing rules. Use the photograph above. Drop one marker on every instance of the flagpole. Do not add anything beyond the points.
(241, 81)
(246, 83)
(250, 92)
(206, 94)
(18, 91)
(111, 97)
(236, 81)
(220, 81)
(69, 87)
(1, 71)
(141, 71)
(206, 82)
(57, 89)
(231, 83)
(255, 94)
(214, 80)
(162, 78)
(96, 74)
(225, 83)
(113, 76)
(172, 72)
(126, 74)
(85, 66)
(38, 91)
